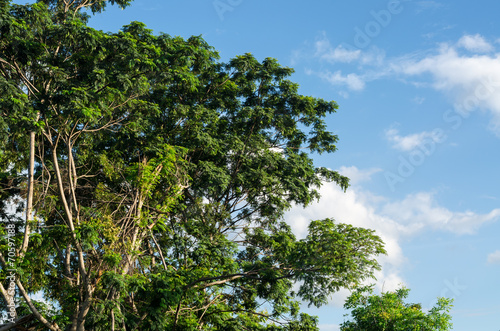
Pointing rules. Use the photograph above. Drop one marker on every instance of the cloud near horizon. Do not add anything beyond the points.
(394, 221)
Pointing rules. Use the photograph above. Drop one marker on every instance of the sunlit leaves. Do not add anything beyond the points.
(389, 312)
(163, 176)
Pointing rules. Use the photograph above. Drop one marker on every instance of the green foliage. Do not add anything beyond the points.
(162, 177)
(389, 312)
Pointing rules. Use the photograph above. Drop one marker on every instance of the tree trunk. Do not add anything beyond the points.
(29, 200)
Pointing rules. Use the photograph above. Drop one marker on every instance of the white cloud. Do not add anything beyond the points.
(355, 207)
(427, 5)
(471, 81)
(357, 175)
(374, 56)
(471, 78)
(467, 71)
(475, 43)
(494, 258)
(325, 51)
(353, 81)
(339, 54)
(412, 141)
(420, 211)
(393, 221)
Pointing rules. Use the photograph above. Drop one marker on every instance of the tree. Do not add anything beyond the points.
(389, 312)
(160, 181)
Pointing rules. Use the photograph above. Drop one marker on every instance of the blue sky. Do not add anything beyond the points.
(418, 84)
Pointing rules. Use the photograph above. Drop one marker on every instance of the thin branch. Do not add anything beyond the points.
(161, 254)
(54, 326)
(205, 308)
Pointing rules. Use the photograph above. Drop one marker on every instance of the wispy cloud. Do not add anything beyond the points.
(325, 51)
(466, 71)
(427, 5)
(326, 54)
(494, 258)
(409, 142)
(418, 100)
(471, 81)
(353, 81)
(475, 43)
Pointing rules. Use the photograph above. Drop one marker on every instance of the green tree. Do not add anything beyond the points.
(389, 312)
(158, 178)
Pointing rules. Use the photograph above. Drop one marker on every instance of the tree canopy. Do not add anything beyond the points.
(389, 312)
(154, 181)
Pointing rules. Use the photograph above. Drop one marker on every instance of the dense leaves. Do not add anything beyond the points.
(389, 312)
(160, 180)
